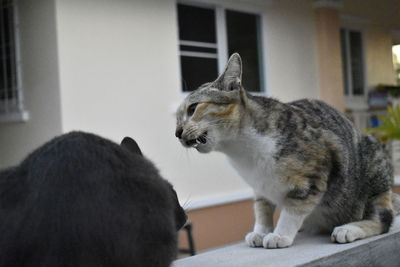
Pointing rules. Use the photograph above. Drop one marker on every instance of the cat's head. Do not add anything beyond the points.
(179, 214)
(212, 113)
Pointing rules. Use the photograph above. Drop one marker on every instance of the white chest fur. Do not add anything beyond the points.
(252, 155)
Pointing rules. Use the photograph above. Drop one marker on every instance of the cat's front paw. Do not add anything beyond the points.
(254, 239)
(272, 240)
(347, 233)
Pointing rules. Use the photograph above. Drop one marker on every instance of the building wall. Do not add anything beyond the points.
(38, 47)
(119, 76)
(379, 61)
(290, 50)
(329, 57)
(218, 225)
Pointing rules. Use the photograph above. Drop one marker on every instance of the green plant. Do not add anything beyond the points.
(390, 125)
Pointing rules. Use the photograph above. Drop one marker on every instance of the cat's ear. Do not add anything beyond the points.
(231, 78)
(131, 145)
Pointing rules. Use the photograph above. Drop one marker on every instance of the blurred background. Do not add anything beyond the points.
(121, 67)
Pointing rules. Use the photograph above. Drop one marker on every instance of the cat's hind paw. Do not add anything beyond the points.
(347, 233)
(254, 239)
(272, 240)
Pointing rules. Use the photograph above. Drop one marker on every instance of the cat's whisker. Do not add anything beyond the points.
(187, 202)
(186, 205)
(188, 152)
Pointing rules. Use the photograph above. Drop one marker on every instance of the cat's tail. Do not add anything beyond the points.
(396, 203)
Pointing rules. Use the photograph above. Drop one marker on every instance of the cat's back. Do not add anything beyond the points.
(77, 171)
(318, 114)
(77, 149)
(319, 111)
(85, 156)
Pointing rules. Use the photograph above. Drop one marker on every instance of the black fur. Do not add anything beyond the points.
(303, 193)
(130, 144)
(386, 217)
(81, 200)
(298, 193)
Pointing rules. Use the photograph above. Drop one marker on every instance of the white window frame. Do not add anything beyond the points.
(355, 102)
(14, 108)
(221, 39)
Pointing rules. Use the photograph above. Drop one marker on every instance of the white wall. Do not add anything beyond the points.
(291, 50)
(39, 80)
(119, 76)
(379, 60)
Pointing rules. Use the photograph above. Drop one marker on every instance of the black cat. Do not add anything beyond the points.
(82, 200)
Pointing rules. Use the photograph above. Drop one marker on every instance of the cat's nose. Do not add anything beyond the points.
(178, 133)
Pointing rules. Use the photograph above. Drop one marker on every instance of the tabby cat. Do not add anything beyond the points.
(82, 200)
(303, 157)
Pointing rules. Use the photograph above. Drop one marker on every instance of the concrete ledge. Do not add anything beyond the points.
(310, 250)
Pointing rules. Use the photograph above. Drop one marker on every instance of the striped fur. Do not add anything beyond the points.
(303, 157)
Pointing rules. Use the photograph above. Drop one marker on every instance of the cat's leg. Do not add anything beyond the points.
(264, 223)
(376, 223)
(298, 204)
(288, 225)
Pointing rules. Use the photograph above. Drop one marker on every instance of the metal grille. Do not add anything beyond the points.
(10, 89)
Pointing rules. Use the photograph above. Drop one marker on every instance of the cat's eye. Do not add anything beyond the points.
(191, 109)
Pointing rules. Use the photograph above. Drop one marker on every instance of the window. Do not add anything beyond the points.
(208, 35)
(353, 62)
(10, 90)
(198, 46)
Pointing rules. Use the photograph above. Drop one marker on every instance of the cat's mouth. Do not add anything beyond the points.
(202, 139)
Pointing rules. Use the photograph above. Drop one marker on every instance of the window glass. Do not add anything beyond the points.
(357, 72)
(344, 61)
(199, 44)
(352, 62)
(196, 71)
(243, 37)
(7, 55)
(196, 24)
